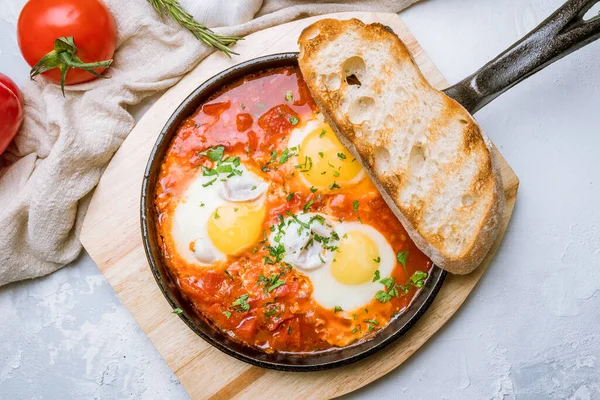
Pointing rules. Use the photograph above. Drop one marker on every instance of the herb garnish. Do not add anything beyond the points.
(341, 156)
(226, 313)
(241, 303)
(401, 257)
(177, 311)
(337, 309)
(289, 96)
(376, 277)
(294, 120)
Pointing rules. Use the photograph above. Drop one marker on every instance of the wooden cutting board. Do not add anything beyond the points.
(111, 235)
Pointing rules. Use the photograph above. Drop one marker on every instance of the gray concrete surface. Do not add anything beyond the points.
(528, 331)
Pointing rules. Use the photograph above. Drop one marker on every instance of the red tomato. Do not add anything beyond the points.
(11, 111)
(89, 22)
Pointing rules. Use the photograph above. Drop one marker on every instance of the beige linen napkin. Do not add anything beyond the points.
(65, 143)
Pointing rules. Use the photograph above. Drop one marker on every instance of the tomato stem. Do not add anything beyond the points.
(64, 58)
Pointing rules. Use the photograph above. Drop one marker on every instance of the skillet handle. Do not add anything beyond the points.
(561, 34)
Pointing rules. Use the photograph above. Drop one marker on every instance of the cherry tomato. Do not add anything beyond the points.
(11, 111)
(88, 22)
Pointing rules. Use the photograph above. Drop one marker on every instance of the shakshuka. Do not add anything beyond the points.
(272, 229)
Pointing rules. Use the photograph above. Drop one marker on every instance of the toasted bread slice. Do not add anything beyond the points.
(423, 150)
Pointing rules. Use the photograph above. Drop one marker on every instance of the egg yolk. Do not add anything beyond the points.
(357, 259)
(324, 160)
(234, 227)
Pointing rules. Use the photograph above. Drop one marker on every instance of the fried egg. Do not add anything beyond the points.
(339, 258)
(322, 159)
(219, 216)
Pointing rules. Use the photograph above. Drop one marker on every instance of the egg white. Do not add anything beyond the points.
(315, 261)
(190, 218)
(329, 292)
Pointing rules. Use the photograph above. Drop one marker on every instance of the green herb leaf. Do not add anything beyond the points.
(289, 96)
(334, 186)
(289, 197)
(228, 275)
(341, 156)
(323, 132)
(401, 257)
(337, 309)
(372, 321)
(241, 303)
(376, 276)
(418, 279)
(294, 120)
(354, 331)
(209, 182)
(216, 153)
(227, 314)
(377, 260)
(355, 204)
(177, 311)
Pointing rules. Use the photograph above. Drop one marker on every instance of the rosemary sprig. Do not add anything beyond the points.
(201, 32)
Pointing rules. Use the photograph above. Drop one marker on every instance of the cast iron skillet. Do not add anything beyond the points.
(562, 33)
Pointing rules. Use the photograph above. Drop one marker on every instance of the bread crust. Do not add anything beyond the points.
(467, 232)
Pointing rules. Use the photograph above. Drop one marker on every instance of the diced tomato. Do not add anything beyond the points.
(244, 122)
(278, 121)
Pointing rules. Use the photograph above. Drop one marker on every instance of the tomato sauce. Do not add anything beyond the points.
(252, 118)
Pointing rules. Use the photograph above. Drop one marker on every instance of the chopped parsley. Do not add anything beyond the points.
(177, 311)
(271, 283)
(313, 189)
(217, 216)
(289, 96)
(209, 182)
(308, 205)
(372, 321)
(227, 166)
(341, 156)
(354, 331)
(376, 277)
(334, 186)
(227, 314)
(294, 120)
(337, 309)
(355, 205)
(241, 303)
(323, 132)
(271, 311)
(243, 106)
(417, 280)
(377, 260)
(201, 204)
(401, 257)
(289, 197)
(253, 188)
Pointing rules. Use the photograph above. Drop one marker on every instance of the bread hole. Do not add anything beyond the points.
(417, 157)
(467, 200)
(352, 80)
(313, 33)
(361, 109)
(332, 81)
(401, 93)
(388, 122)
(382, 160)
(354, 70)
